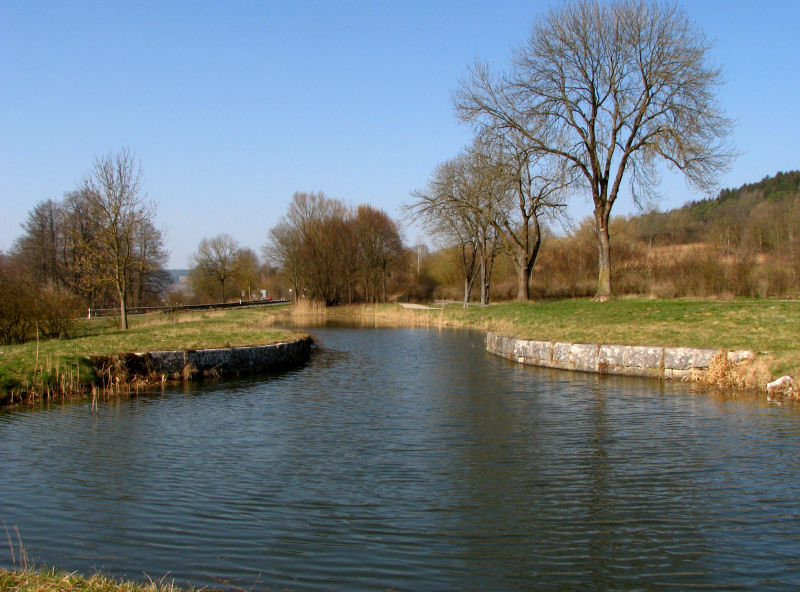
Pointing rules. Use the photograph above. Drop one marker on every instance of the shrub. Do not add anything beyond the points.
(56, 310)
(17, 314)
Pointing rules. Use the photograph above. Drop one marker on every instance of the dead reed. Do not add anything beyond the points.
(51, 580)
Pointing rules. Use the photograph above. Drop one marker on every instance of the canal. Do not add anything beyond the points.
(410, 459)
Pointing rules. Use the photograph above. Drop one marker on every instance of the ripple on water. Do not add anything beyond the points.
(410, 459)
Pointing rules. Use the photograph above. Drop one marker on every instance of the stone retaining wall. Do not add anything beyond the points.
(210, 362)
(654, 362)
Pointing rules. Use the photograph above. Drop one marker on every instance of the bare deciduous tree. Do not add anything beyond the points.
(248, 270)
(377, 247)
(285, 250)
(530, 187)
(41, 242)
(329, 252)
(498, 190)
(215, 260)
(310, 244)
(613, 89)
(456, 210)
(114, 217)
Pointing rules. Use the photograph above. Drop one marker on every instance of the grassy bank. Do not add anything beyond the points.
(769, 326)
(64, 366)
(26, 580)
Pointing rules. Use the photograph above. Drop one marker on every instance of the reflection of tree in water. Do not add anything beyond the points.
(640, 501)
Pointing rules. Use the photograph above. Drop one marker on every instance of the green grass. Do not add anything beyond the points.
(28, 580)
(63, 364)
(771, 326)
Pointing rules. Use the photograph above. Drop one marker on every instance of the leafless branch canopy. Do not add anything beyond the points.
(609, 88)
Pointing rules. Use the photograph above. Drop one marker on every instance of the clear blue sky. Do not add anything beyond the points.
(233, 106)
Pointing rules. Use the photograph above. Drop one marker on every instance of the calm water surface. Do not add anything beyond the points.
(412, 460)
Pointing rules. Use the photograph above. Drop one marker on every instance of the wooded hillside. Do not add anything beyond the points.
(743, 242)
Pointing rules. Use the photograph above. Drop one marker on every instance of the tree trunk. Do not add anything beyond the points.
(604, 259)
(467, 290)
(485, 275)
(523, 279)
(524, 262)
(123, 307)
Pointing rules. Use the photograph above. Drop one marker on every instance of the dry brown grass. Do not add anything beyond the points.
(28, 580)
(746, 375)
(308, 308)
(389, 315)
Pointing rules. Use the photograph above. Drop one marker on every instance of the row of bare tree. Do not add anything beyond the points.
(601, 95)
(333, 253)
(324, 250)
(748, 245)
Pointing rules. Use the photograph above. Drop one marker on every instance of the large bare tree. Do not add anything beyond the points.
(41, 242)
(248, 268)
(285, 250)
(115, 219)
(614, 89)
(499, 190)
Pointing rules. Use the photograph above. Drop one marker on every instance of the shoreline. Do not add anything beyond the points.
(664, 363)
(132, 371)
(727, 356)
(184, 364)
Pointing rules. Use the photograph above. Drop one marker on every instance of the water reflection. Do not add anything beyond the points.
(410, 459)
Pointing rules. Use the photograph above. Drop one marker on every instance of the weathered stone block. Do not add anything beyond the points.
(686, 358)
(250, 359)
(584, 356)
(643, 357)
(561, 354)
(610, 357)
(208, 359)
(500, 345)
(739, 356)
(540, 351)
